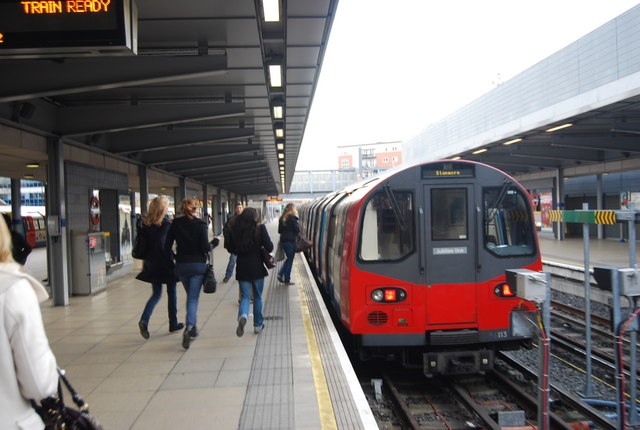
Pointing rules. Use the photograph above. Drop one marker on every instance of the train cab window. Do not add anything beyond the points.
(508, 228)
(387, 226)
(449, 219)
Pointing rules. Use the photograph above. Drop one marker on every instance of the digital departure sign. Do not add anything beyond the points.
(45, 27)
(448, 169)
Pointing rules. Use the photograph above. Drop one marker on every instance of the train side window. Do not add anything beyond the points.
(449, 214)
(508, 228)
(387, 226)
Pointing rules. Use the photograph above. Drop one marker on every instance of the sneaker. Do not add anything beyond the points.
(176, 327)
(186, 337)
(144, 331)
(258, 330)
(280, 279)
(225, 279)
(241, 322)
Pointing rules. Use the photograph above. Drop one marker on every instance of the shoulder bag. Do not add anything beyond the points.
(58, 416)
(267, 258)
(302, 243)
(140, 245)
(209, 284)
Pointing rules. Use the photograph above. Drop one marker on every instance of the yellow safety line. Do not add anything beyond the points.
(327, 415)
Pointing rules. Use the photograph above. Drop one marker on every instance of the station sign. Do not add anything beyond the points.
(45, 28)
(448, 169)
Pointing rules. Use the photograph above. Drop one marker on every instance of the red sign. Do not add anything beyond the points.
(92, 242)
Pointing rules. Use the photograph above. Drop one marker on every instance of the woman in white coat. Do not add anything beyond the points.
(27, 364)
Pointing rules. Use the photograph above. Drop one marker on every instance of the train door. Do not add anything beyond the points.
(449, 237)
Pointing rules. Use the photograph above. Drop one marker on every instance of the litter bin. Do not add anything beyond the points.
(89, 262)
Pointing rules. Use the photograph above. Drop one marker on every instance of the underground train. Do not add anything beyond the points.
(412, 263)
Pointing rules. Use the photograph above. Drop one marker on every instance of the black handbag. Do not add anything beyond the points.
(209, 284)
(268, 259)
(140, 246)
(302, 243)
(58, 416)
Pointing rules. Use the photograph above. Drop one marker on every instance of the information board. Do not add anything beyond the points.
(67, 26)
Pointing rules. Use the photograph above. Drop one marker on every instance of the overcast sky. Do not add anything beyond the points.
(394, 67)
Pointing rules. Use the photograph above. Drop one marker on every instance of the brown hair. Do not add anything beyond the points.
(289, 209)
(189, 207)
(157, 210)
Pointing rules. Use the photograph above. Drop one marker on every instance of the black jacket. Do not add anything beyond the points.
(192, 239)
(249, 265)
(158, 267)
(289, 229)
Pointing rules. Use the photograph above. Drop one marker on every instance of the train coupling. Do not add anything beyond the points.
(457, 362)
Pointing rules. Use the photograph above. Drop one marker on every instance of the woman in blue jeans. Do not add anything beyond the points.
(158, 267)
(288, 227)
(191, 236)
(247, 237)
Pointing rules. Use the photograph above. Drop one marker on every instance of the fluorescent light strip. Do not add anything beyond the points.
(275, 75)
(480, 151)
(281, 155)
(279, 132)
(560, 127)
(280, 146)
(512, 141)
(271, 10)
(277, 112)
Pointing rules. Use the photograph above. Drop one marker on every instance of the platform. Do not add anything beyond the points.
(294, 375)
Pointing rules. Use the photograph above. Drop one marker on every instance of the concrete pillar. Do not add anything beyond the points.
(599, 203)
(560, 203)
(144, 189)
(16, 207)
(57, 234)
(205, 204)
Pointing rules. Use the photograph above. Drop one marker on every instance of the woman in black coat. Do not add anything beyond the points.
(247, 237)
(158, 267)
(289, 228)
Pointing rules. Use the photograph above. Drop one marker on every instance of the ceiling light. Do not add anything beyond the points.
(32, 165)
(280, 155)
(275, 75)
(281, 162)
(277, 112)
(279, 132)
(512, 141)
(28, 176)
(480, 151)
(560, 127)
(456, 158)
(280, 146)
(271, 10)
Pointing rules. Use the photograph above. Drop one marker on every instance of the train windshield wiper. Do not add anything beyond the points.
(497, 201)
(395, 207)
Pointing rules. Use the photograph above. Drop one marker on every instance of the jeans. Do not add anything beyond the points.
(245, 290)
(191, 275)
(230, 265)
(172, 304)
(289, 249)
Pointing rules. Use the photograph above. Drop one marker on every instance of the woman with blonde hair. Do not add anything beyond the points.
(27, 364)
(158, 267)
(288, 227)
(191, 236)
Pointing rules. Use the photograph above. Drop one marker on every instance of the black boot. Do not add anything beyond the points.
(186, 337)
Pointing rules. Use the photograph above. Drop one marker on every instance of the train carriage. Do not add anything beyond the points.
(413, 263)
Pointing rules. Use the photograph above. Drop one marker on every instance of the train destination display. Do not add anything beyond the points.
(67, 26)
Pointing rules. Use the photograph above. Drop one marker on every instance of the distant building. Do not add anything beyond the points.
(371, 158)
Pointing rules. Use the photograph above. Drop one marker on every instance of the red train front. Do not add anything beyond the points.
(413, 262)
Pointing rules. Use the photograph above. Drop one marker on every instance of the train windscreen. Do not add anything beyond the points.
(387, 227)
(508, 228)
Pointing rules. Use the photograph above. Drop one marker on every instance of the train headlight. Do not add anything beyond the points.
(377, 295)
(388, 295)
(503, 290)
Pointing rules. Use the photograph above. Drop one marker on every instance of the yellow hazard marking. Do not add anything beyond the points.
(555, 215)
(327, 415)
(605, 217)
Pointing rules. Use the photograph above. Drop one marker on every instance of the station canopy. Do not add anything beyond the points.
(215, 91)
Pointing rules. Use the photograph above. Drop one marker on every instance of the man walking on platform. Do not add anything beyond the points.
(225, 231)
